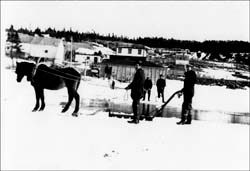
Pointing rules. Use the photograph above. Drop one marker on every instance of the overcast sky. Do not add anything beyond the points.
(185, 20)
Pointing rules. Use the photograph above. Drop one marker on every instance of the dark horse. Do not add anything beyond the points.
(52, 78)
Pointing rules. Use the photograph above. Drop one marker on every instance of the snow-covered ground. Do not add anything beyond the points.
(52, 140)
(222, 73)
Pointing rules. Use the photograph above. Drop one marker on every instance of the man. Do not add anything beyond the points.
(161, 84)
(188, 92)
(107, 71)
(147, 88)
(136, 87)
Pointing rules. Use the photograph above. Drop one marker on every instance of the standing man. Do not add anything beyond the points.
(107, 71)
(147, 88)
(161, 84)
(136, 87)
(188, 92)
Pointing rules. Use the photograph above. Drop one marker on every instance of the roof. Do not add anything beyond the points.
(36, 40)
(130, 62)
(87, 51)
(25, 38)
(132, 45)
(49, 41)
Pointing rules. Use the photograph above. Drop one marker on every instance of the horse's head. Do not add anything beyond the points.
(24, 69)
(19, 71)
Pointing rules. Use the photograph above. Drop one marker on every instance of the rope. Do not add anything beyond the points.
(63, 72)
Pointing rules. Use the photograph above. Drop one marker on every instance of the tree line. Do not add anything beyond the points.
(212, 47)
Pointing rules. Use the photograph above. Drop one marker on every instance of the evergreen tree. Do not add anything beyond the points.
(38, 32)
(13, 38)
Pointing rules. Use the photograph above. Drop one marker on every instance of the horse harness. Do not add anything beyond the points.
(36, 68)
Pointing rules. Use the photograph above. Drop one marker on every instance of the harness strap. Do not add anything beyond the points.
(35, 68)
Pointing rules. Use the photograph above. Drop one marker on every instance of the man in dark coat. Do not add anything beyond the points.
(188, 93)
(136, 87)
(161, 84)
(108, 71)
(147, 88)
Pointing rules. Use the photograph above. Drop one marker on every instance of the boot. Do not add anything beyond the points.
(135, 121)
(182, 121)
(183, 117)
(189, 119)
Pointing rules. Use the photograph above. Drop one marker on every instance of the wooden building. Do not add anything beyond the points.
(124, 70)
(129, 51)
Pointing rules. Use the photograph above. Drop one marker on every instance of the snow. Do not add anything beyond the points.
(222, 74)
(50, 140)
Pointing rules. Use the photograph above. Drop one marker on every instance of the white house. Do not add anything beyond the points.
(130, 51)
(45, 47)
(91, 54)
(86, 55)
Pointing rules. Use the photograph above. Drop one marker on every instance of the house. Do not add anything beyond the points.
(35, 46)
(173, 56)
(87, 56)
(92, 53)
(129, 51)
(43, 47)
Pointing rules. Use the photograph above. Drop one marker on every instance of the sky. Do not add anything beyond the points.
(184, 20)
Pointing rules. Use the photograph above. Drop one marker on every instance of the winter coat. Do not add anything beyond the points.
(136, 85)
(148, 84)
(161, 84)
(108, 70)
(189, 82)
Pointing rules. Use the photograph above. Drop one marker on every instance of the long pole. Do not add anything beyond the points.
(71, 51)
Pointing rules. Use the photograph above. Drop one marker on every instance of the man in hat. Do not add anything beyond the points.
(188, 93)
(161, 84)
(147, 88)
(136, 87)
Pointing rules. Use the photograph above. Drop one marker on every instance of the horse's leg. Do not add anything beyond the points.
(42, 99)
(77, 99)
(37, 99)
(70, 98)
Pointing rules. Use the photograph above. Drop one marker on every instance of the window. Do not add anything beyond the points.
(129, 50)
(119, 50)
(139, 51)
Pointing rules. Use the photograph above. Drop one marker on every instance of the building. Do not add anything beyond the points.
(123, 70)
(129, 51)
(93, 53)
(173, 56)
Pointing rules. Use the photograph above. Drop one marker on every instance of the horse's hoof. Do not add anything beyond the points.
(34, 110)
(41, 110)
(74, 114)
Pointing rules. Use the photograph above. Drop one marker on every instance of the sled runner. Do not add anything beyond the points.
(147, 111)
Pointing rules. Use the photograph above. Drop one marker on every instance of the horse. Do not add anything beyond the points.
(52, 78)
